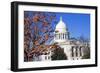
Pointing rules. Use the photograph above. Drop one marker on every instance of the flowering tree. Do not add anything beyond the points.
(38, 31)
(58, 53)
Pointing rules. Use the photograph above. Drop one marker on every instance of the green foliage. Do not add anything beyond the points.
(86, 56)
(37, 30)
(59, 54)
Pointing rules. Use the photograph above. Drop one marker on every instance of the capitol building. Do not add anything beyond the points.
(73, 49)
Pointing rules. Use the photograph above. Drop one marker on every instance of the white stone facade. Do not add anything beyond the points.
(73, 50)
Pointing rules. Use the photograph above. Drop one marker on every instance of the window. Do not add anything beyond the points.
(45, 57)
(63, 35)
(80, 51)
(72, 51)
(48, 57)
(76, 51)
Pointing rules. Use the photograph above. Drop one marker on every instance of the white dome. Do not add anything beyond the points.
(61, 32)
(61, 26)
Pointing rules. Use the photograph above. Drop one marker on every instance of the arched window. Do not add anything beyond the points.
(45, 57)
(72, 51)
(80, 51)
(76, 51)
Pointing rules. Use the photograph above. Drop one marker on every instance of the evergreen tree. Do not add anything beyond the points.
(59, 54)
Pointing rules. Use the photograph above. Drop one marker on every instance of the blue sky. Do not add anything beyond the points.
(77, 24)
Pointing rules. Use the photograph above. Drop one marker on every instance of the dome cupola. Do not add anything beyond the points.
(61, 32)
(61, 26)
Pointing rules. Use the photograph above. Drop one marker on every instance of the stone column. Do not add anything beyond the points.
(79, 51)
(55, 36)
(64, 35)
(74, 50)
(58, 36)
(61, 36)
